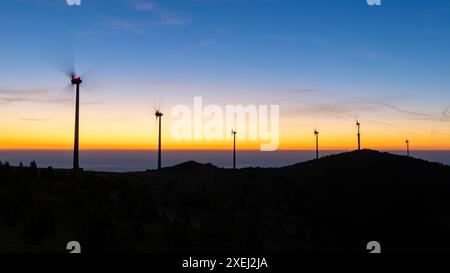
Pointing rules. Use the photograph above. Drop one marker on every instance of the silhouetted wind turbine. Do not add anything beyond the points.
(233, 132)
(76, 81)
(316, 134)
(159, 115)
(67, 67)
(359, 135)
(407, 147)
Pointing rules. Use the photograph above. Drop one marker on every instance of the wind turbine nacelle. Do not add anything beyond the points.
(76, 80)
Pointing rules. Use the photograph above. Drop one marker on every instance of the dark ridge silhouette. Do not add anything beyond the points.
(363, 157)
(191, 166)
(337, 203)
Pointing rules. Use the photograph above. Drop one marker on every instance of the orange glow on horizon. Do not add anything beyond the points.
(104, 127)
(168, 144)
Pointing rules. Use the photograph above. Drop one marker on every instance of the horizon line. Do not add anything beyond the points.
(223, 149)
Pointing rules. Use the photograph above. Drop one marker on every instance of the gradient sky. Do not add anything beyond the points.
(325, 62)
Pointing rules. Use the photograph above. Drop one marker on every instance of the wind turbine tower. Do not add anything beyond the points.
(159, 115)
(234, 148)
(359, 135)
(76, 164)
(407, 147)
(316, 134)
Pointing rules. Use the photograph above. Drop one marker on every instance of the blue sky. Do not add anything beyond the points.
(319, 58)
(297, 43)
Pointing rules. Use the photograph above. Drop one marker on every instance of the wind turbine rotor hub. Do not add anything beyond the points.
(76, 80)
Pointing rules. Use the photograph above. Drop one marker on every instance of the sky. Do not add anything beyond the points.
(326, 63)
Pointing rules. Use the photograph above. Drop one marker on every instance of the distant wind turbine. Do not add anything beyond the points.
(407, 147)
(316, 134)
(159, 115)
(359, 135)
(233, 132)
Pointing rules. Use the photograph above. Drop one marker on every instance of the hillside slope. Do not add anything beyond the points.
(335, 204)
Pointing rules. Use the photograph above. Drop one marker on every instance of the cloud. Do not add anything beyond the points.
(13, 96)
(353, 107)
(124, 25)
(206, 43)
(221, 32)
(40, 100)
(9, 96)
(404, 111)
(341, 109)
(164, 17)
(34, 119)
(139, 85)
(301, 90)
(141, 5)
(170, 18)
(14, 99)
(22, 92)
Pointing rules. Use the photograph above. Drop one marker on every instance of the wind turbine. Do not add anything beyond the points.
(407, 147)
(159, 115)
(68, 69)
(65, 64)
(316, 134)
(233, 132)
(76, 80)
(359, 134)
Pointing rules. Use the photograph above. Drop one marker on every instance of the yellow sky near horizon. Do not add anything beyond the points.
(123, 128)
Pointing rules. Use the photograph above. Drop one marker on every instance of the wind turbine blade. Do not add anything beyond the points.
(155, 125)
(90, 78)
(68, 88)
(69, 72)
(155, 106)
(157, 101)
(62, 58)
(88, 72)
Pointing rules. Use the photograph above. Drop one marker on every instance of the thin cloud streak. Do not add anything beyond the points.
(301, 90)
(28, 92)
(141, 5)
(221, 32)
(36, 96)
(34, 119)
(168, 18)
(353, 107)
(404, 111)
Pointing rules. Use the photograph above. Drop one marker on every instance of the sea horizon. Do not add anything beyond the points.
(140, 160)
